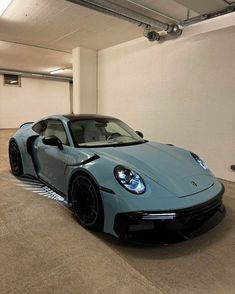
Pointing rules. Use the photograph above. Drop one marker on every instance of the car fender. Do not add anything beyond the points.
(24, 138)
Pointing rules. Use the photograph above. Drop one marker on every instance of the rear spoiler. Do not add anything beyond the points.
(27, 123)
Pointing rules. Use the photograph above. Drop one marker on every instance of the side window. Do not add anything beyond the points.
(55, 128)
(39, 127)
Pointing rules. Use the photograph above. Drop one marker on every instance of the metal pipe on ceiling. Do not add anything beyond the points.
(121, 12)
(153, 11)
(35, 75)
(209, 15)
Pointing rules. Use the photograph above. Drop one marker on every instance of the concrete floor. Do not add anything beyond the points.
(44, 250)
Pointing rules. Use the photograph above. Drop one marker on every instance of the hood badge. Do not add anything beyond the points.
(194, 183)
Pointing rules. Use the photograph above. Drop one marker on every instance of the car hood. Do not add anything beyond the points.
(171, 167)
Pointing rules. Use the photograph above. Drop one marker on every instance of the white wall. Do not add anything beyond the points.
(181, 91)
(34, 99)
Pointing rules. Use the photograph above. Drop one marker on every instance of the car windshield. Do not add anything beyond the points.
(101, 132)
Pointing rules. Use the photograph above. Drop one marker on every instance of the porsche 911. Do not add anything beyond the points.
(113, 178)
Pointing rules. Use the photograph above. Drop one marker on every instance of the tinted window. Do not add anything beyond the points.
(39, 127)
(55, 128)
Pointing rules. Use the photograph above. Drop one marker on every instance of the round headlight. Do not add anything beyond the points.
(199, 161)
(129, 179)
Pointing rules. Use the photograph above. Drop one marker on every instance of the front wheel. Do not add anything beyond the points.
(87, 203)
(15, 159)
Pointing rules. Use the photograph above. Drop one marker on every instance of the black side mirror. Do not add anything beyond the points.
(53, 141)
(140, 134)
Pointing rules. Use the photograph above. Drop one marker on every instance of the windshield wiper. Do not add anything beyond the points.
(129, 143)
(113, 144)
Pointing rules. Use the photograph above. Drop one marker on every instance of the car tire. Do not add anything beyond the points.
(15, 159)
(87, 203)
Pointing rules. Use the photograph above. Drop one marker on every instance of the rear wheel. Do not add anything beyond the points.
(86, 202)
(15, 159)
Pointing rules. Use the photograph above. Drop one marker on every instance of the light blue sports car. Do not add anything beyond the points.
(113, 178)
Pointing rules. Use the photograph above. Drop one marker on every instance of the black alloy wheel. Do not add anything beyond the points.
(15, 159)
(87, 203)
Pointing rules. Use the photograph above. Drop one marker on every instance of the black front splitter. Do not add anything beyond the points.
(170, 226)
(167, 234)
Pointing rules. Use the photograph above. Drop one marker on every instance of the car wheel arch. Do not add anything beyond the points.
(78, 173)
(11, 141)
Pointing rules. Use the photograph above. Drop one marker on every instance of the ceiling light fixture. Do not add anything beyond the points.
(37, 75)
(3, 6)
(59, 70)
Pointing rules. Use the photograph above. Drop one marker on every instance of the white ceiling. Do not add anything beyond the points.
(53, 27)
(24, 58)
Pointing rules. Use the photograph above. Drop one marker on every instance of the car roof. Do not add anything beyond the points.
(73, 117)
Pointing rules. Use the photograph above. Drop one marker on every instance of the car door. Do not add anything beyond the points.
(50, 160)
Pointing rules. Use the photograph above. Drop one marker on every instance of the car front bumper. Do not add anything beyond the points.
(193, 220)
